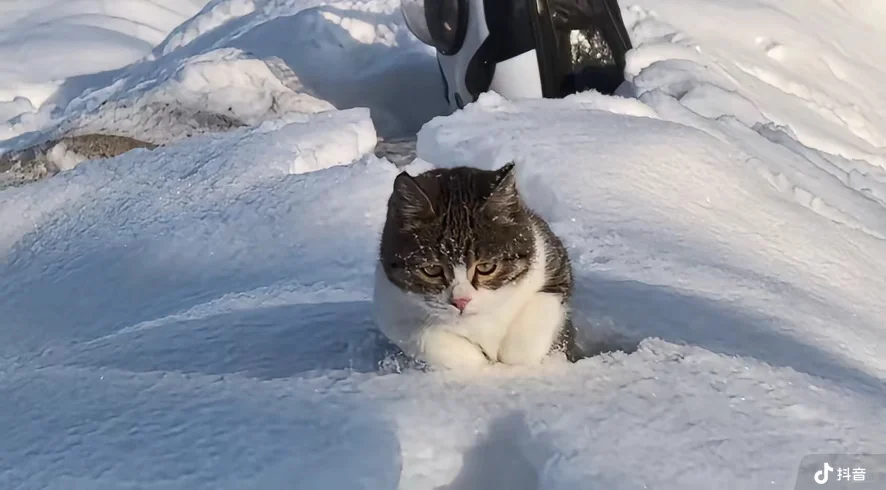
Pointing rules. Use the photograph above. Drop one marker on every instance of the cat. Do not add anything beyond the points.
(468, 275)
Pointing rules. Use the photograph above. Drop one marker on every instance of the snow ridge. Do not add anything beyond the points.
(197, 315)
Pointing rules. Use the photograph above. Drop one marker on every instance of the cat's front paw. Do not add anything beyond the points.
(531, 335)
(449, 351)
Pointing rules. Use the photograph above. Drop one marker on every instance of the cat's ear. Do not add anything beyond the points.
(504, 196)
(409, 200)
(507, 178)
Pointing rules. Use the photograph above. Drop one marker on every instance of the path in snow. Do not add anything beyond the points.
(198, 316)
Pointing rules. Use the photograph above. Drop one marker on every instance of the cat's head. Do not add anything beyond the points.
(456, 236)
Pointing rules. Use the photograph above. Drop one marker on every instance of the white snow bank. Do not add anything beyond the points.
(350, 54)
(250, 62)
(45, 42)
(216, 91)
(809, 71)
(297, 145)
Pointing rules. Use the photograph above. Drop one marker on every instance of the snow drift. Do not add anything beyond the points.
(240, 62)
(51, 49)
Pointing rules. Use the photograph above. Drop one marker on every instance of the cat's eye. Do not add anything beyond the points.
(432, 270)
(486, 268)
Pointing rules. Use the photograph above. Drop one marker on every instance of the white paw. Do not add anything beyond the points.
(532, 333)
(450, 351)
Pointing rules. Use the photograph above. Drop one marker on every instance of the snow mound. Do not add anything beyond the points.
(240, 62)
(207, 93)
(351, 54)
(654, 202)
(45, 42)
(808, 84)
(315, 143)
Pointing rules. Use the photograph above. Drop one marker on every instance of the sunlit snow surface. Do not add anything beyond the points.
(198, 316)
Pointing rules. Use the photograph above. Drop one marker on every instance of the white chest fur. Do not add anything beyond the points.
(515, 324)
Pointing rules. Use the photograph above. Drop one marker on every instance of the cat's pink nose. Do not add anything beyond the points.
(460, 303)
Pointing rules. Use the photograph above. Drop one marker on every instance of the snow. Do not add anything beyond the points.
(45, 44)
(239, 62)
(198, 315)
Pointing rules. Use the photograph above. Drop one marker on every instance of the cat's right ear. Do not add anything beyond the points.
(504, 197)
(410, 200)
